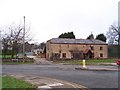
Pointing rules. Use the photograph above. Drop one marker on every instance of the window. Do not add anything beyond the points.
(64, 55)
(56, 54)
(101, 55)
(101, 48)
(92, 48)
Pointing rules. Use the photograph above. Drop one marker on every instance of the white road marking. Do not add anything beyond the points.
(56, 84)
(49, 86)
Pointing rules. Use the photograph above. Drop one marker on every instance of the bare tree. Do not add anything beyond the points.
(13, 38)
(113, 36)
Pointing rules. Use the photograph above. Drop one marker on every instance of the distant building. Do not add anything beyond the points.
(59, 48)
(39, 52)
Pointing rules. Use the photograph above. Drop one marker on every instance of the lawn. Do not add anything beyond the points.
(11, 82)
(8, 60)
(88, 62)
(7, 56)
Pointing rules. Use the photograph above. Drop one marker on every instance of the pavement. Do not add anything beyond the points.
(99, 68)
(46, 83)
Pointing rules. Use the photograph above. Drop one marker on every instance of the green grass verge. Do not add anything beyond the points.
(0, 82)
(88, 62)
(10, 82)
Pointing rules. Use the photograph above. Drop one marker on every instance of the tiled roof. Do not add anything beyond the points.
(76, 41)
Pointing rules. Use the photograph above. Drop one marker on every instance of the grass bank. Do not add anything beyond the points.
(88, 62)
(11, 82)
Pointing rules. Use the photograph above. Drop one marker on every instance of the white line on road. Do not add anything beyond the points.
(49, 86)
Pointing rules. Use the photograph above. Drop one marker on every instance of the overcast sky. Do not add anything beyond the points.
(49, 18)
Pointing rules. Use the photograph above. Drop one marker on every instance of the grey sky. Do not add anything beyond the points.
(50, 18)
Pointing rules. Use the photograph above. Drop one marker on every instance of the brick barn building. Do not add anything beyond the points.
(63, 48)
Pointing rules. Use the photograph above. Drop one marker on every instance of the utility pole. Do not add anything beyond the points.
(0, 45)
(118, 43)
(0, 59)
(119, 30)
(24, 40)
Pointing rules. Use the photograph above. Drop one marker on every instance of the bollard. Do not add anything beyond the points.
(84, 65)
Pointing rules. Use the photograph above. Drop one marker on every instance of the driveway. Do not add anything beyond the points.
(41, 61)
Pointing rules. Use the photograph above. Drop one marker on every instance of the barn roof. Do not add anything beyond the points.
(76, 41)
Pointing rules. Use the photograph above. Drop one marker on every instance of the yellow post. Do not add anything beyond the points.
(84, 65)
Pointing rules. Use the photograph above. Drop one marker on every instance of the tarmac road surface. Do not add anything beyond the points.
(90, 79)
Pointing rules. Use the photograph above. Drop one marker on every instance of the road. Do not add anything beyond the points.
(90, 79)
